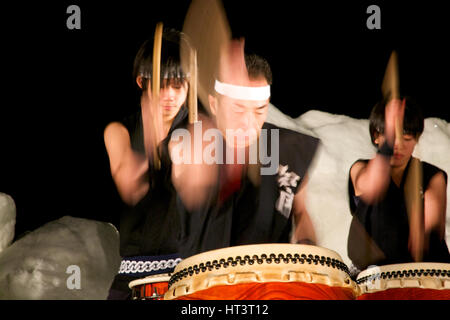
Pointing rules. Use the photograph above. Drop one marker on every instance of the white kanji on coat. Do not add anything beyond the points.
(287, 181)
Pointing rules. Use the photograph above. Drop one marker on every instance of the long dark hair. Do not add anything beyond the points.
(170, 60)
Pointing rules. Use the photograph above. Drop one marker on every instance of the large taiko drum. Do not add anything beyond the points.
(262, 272)
(409, 281)
(150, 288)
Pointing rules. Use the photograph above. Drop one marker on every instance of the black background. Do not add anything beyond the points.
(62, 87)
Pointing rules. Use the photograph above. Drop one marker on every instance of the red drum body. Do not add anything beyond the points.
(263, 272)
(409, 281)
(150, 288)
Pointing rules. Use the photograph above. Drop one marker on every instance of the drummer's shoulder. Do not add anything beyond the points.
(356, 168)
(432, 171)
(115, 133)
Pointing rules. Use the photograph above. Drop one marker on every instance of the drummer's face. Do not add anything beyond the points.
(240, 117)
(402, 151)
(172, 96)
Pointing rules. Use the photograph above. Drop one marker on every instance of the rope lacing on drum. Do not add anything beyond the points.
(264, 258)
(405, 274)
(130, 266)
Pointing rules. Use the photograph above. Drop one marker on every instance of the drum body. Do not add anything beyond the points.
(263, 272)
(409, 281)
(150, 288)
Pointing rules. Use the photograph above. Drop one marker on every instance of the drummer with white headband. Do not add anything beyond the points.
(242, 205)
(241, 107)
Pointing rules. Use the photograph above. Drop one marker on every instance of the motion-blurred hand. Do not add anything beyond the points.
(232, 68)
(394, 113)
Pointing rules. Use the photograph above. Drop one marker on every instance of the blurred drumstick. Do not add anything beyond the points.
(207, 29)
(390, 86)
(391, 91)
(415, 207)
(186, 48)
(156, 124)
(413, 183)
(193, 107)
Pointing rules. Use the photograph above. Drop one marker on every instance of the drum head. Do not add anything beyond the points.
(260, 263)
(424, 275)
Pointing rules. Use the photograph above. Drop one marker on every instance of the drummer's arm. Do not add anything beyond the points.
(304, 229)
(435, 203)
(371, 180)
(193, 181)
(128, 168)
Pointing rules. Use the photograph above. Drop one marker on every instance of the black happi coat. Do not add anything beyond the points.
(151, 227)
(253, 213)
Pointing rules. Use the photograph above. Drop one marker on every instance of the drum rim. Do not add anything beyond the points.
(418, 275)
(286, 253)
(416, 269)
(163, 277)
(200, 257)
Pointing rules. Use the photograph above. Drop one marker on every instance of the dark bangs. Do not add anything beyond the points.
(171, 71)
(413, 122)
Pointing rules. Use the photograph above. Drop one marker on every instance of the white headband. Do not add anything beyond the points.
(241, 92)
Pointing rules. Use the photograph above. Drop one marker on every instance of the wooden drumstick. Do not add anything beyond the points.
(207, 29)
(390, 86)
(415, 207)
(193, 107)
(391, 90)
(156, 124)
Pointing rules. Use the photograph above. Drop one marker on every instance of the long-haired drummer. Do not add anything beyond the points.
(148, 226)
